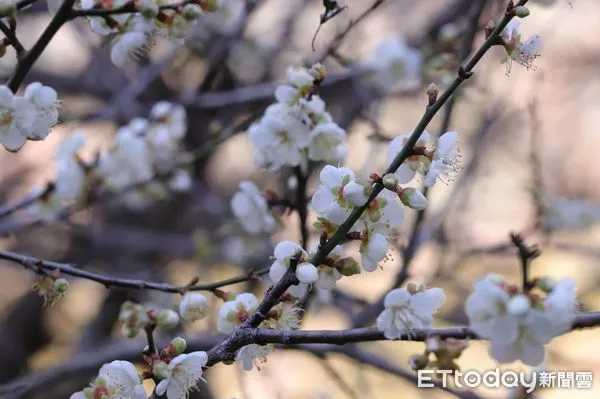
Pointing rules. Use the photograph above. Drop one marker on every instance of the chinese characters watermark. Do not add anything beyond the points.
(497, 378)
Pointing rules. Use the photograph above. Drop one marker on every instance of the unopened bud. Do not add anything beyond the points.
(8, 8)
(177, 346)
(356, 193)
(545, 284)
(129, 332)
(412, 288)
(432, 93)
(148, 8)
(61, 285)
(193, 306)
(318, 71)
(449, 33)
(390, 181)
(349, 267)
(418, 362)
(161, 370)
(167, 319)
(413, 198)
(521, 11)
(191, 12)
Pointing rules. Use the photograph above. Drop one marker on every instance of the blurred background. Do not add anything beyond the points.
(527, 142)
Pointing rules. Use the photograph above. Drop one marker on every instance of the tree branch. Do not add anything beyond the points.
(38, 48)
(38, 265)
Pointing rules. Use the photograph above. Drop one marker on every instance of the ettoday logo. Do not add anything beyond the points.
(497, 378)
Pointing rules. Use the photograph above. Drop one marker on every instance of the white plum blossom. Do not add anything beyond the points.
(433, 160)
(327, 142)
(252, 209)
(405, 311)
(247, 355)
(122, 380)
(47, 208)
(280, 138)
(444, 161)
(193, 306)
(70, 176)
(383, 215)
(518, 325)
(329, 200)
(126, 45)
(414, 163)
(129, 163)
(232, 313)
(523, 52)
(328, 275)
(300, 81)
(357, 192)
(45, 101)
(306, 272)
(395, 66)
(373, 249)
(17, 119)
(184, 371)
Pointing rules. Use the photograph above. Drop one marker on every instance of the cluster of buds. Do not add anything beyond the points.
(445, 352)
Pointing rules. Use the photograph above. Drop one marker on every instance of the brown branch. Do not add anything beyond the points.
(12, 39)
(39, 265)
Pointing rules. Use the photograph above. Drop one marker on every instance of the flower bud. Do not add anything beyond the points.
(318, 71)
(349, 267)
(390, 181)
(307, 273)
(148, 8)
(519, 305)
(432, 93)
(521, 11)
(61, 285)
(8, 8)
(133, 315)
(191, 12)
(161, 370)
(449, 33)
(177, 346)
(545, 284)
(129, 332)
(412, 288)
(167, 319)
(418, 362)
(193, 306)
(413, 198)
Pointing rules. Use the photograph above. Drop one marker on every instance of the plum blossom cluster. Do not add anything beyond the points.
(142, 150)
(251, 208)
(135, 31)
(519, 324)
(523, 52)
(176, 372)
(297, 128)
(29, 117)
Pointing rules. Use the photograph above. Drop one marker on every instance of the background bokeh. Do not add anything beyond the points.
(552, 112)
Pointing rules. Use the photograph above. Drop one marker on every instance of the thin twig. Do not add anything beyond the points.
(37, 265)
(127, 8)
(12, 39)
